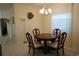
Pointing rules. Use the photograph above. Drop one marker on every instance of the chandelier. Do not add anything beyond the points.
(45, 10)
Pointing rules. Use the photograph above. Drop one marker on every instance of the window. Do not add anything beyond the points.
(62, 21)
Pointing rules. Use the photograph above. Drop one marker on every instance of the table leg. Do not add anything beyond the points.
(45, 47)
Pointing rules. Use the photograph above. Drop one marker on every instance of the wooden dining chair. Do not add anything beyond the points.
(56, 33)
(60, 43)
(36, 32)
(32, 45)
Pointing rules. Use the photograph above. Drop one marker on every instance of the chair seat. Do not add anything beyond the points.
(38, 45)
(53, 45)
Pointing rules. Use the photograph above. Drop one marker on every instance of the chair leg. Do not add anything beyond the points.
(57, 52)
(29, 50)
(0, 50)
(33, 52)
(63, 50)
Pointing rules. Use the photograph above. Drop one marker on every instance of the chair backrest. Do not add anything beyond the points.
(57, 32)
(62, 38)
(29, 39)
(36, 31)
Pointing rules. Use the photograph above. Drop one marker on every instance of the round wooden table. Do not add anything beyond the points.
(46, 37)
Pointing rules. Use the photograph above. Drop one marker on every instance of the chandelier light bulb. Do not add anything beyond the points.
(46, 12)
(42, 11)
(49, 10)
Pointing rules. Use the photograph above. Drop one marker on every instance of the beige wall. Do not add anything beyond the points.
(75, 28)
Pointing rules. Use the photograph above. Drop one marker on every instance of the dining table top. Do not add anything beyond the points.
(46, 36)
